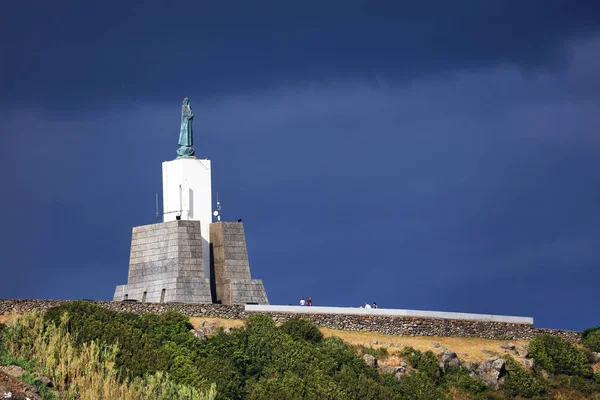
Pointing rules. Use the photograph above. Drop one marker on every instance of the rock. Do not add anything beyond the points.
(199, 333)
(370, 360)
(13, 370)
(491, 371)
(529, 363)
(507, 346)
(46, 381)
(403, 364)
(449, 359)
(388, 369)
(489, 352)
(596, 357)
(468, 366)
(401, 371)
(436, 345)
(522, 351)
(374, 342)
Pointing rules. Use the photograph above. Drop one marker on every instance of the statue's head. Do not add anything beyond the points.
(186, 101)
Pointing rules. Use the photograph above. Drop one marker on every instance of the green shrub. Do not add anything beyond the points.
(589, 331)
(418, 386)
(427, 363)
(592, 341)
(380, 353)
(585, 386)
(302, 329)
(558, 356)
(460, 378)
(519, 382)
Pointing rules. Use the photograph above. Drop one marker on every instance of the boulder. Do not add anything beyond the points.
(436, 344)
(199, 333)
(522, 351)
(388, 369)
(491, 371)
(370, 360)
(596, 357)
(403, 364)
(449, 359)
(529, 363)
(13, 370)
(507, 346)
(401, 371)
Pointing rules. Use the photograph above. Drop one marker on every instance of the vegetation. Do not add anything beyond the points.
(85, 372)
(520, 382)
(556, 355)
(90, 352)
(591, 338)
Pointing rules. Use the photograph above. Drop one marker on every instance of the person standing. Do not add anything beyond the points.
(302, 302)
(375, 305)
(309, 302)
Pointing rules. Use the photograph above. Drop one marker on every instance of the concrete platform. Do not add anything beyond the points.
(388, 312)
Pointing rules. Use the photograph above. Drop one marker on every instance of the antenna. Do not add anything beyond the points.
(157, 208)
(216, 213)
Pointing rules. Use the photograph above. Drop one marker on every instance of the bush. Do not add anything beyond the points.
(592, 341)
(558, 356)
(380, 353)
(519, 382)
(87, 371)
(418, 386)
(302, 329)
(427, 363)
(460, 378)
(585, 386)
(589, 331)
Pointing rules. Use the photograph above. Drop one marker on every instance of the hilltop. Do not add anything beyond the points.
(119, 355)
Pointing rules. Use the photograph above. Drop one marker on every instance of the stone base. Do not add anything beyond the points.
(243, 291)
(166, 264)
(230, 266)
(181, 290)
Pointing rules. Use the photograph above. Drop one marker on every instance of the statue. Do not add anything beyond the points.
(186, 139)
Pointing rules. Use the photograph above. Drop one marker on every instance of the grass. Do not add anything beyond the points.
(476, 349)
(88, 372)
(219, 322)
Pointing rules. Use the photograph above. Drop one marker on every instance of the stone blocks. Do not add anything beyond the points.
(166, 264)
(230, 266)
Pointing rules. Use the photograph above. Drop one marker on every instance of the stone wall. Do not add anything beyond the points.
(231, 268)
(166, 264)
(399, 326)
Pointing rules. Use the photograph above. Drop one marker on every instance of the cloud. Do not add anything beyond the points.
(59, 57)
(462, 181)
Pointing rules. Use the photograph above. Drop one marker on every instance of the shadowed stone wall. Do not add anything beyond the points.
(231, 268)
(399, 326)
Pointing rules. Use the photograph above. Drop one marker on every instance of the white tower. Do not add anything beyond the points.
(187, 196)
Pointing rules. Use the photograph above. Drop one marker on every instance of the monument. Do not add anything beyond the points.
(178, 259)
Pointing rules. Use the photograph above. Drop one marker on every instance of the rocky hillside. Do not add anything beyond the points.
(257, 358)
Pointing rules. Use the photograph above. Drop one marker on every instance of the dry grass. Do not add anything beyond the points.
(88, 372)
(476, 349)
(218, 322)
(8, 317)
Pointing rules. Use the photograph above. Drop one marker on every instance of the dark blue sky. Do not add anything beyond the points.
(444, 156)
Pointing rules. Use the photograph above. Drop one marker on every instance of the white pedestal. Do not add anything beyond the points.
(187, 193)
